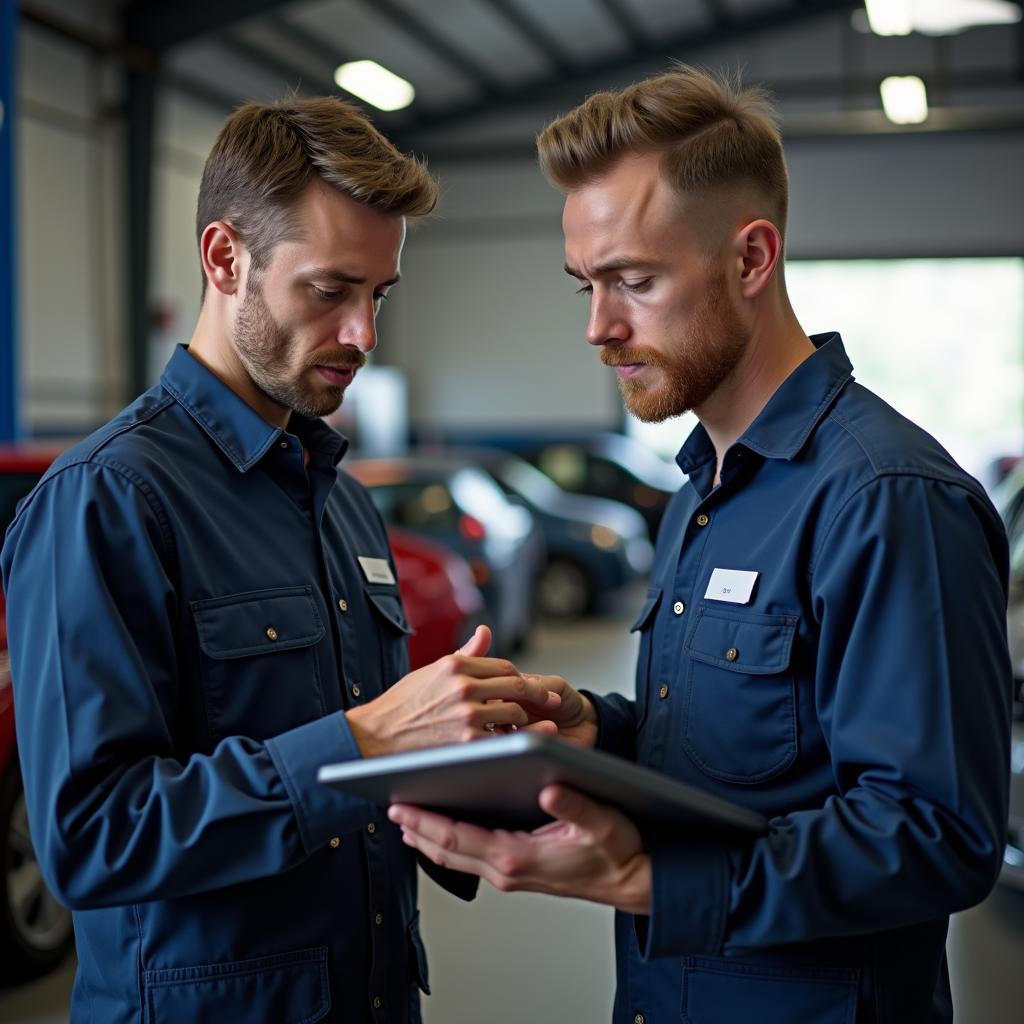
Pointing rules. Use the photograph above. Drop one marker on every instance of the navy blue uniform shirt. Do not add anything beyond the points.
(187, 623)
(860, 699)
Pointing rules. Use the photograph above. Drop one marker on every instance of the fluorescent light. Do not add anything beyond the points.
(889, 17)
(375, 84)
(904, 99)
(947, 17)
(937, 17)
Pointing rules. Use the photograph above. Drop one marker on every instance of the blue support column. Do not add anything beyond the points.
(9, 417)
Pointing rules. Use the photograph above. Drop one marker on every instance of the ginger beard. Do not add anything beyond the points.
(265, 347)
(698, 361)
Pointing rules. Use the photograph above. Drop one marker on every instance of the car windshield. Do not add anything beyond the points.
(528, 481)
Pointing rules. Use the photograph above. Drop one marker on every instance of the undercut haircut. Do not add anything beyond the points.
(710, 133)
(266, 154)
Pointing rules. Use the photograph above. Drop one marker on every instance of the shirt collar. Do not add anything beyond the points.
(783, 426)
(234, 426)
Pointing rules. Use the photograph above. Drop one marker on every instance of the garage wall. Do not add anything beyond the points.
(485, 323)
(68, 238)
(488, 327)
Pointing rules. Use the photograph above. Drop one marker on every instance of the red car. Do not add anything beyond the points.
(441, 600)
(35, 930)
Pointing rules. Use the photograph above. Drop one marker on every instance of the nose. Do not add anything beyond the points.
(606, 325)
(359, 328)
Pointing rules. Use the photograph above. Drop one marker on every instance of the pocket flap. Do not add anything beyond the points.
(755, 645)
(388, 603)
(647, 612)
(257, 622)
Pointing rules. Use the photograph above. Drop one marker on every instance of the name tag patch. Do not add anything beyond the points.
(733, 585)
(376, 570)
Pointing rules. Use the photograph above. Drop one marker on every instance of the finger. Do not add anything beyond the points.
(522, 691)
(500, 713)
(478, 644)
(454, 836)
(545, 727)
(482, 668)
(576, 809)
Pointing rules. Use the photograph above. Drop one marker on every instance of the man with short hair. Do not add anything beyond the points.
(202, 611)
(823, 640)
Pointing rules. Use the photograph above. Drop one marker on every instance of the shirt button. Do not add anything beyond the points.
(679, 607)
(371, 828)
(335, 843)
(702, 520)
(343, 604)
(663, 691)
(271, 633)
(356, 691)
(377, 1002)
(638, 1019)
(732, 654)
(379, 919)
(284, 444)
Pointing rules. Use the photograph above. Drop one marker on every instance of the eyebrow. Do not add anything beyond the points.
(340, 276)
(609, 267)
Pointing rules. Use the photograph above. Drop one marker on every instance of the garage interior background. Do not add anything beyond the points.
(113, 107)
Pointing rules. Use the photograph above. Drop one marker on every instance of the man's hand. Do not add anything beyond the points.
(590, 851)
(462, 696)
(575, 717)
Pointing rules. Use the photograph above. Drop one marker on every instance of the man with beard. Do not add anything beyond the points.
(824, 635)
(202, 611)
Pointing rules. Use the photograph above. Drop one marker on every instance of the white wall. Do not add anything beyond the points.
(68, 231)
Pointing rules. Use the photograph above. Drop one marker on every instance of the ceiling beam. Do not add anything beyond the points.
(865, 118)
(625, 21)
(263, 60)
(422, 32)
(535, 34)
(159, 25)
(651, 58)
(718, 13)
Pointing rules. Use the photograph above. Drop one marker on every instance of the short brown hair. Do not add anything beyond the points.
(710, 131)
(267, 153)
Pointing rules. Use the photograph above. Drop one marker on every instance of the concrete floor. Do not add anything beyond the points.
(558, 955)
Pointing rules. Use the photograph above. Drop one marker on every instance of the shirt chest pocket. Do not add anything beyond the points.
(258, 661)
(740, 709)
(393, 631)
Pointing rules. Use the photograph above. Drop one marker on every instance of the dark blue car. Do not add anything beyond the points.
(594, 545)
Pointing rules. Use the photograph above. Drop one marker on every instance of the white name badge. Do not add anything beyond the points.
(733, 585)
(377, 570)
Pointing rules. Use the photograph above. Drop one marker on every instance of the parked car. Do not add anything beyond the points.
(1009, 499)
(457, 504)
(594, 545)
(35, 930)
(442, 603)
(610, 466)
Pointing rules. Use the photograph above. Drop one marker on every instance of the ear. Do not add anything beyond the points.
(759, 247)
(222, 252)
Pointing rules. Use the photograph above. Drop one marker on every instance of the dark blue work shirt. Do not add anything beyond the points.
(188, 620)
(860, 699)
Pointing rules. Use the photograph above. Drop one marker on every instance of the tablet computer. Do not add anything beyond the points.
(496, 782)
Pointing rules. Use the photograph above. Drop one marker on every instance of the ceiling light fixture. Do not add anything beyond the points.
(904, 99)
(371, 82)
(937, 17)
